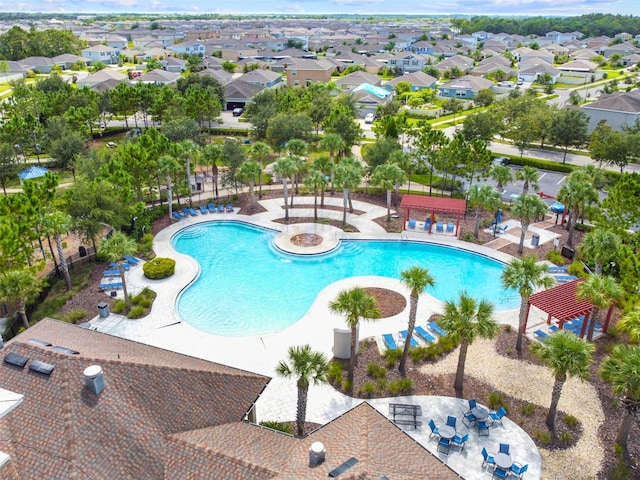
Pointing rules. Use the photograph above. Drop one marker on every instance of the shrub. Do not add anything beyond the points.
(367, 389)
(279, 426)
(566, 437)
(570, 420)
(146, 243)
(468, 237)
(544, 438)
(376, 371)
(496, 400)
(576, 268)
(137, 312)
(119, 306)
(74, 315)
(335, 372)
(420, 353)
(392, 356)
(507, 328)
(159, 268)
(556, 257)
(381, 384)
(528, 409)
(402, 386)
(347, 385)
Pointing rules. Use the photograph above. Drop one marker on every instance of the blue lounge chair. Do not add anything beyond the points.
(426, 336)
(553, 328)
(193, 212)
(439, 227)
(450, 227)
(561, 268)
(203, 209)
(125, 265)
(403, 335)
(564, 278)
(131, 260)
(412, 223)
(229, 208)
(488, 459)
(186, 212)
(427, 224)
(540, 335)
(389, 341)
(111, 273)
(220, 208)
(177, 215)
(212, 207)
(108, 286)
(437, 329)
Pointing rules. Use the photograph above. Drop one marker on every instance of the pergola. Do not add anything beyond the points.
(561, 302)
(433, 205)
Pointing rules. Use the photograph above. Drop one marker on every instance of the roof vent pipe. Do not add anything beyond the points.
(94, 379)
(316, 454)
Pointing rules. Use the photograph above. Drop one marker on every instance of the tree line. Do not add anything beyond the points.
(17, 43)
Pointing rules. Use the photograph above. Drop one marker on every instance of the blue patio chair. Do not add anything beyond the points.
(564, 278)
(500, 473)
(434, 429)
(403, 335)
(110, 286)
(483, 428)
(518, 469)
(131, 260)
(472, 403)
(412, 224)
(504, 448)
(439, 227)
(426, 336)
(220, 208)
(444, 444)
(212, 207)
(389, 341)
(459, 441)
(554, 268)
(451, 421)
(487, 459)
(111, 273)
(540, 335)
(203, 209)
(497, 416)
(427, 224)
(450, 227)
(177, 215)
(553, 328)
(437, 329)
(469, 417)
(229, 208)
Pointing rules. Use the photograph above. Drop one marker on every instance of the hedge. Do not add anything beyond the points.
(159, 268)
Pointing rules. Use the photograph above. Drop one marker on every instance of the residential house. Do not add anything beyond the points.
(158, 77)
(189, 48)
(142, 42)
(37, 64)
(369, 97)
(492, 65)
(560, 38)
(630, 60)
(101, 53)
(235, 54)
(14, 72)
(303, 72)
(116, 41)
(583, 66)
(67, 60)
(583, 54)
(523, 54)
(619, 109)
(407, 62)
(222, 76)
(622, 49)
(422, 47)
(460, 62)
(351, 81)
(264, 78)
(532, 71)
(167, 36)
(482, 35)
(418, 80)
(101, 76)
(466, 87)
(173, 64)
(238, 93)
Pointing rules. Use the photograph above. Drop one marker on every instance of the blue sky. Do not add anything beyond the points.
(486, 7)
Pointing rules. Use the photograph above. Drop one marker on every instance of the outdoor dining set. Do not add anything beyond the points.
(449, 436)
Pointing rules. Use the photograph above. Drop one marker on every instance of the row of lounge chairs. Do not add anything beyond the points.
(428, 336)
(574, 326)
(209, 208)
(114, 271)
(440, 227)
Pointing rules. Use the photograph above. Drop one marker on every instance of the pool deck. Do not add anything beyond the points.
(163, 328)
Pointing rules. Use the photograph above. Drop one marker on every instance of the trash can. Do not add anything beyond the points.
(82, 251)
(535, 240)
(103, 309)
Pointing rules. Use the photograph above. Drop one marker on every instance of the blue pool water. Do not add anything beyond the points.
(247, 287)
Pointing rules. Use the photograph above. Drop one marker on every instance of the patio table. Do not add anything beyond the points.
(503, 460)
(447, 432)
(480, 413)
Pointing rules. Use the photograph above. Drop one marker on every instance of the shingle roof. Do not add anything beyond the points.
(628, 102)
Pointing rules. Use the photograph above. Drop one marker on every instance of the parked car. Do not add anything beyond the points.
(369, 118)
(520, 81)
(238, 111)
(501, 161)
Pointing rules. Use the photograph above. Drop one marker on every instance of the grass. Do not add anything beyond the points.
(58, 295)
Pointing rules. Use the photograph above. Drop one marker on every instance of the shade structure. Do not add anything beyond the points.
(434, 205)
(33, 172)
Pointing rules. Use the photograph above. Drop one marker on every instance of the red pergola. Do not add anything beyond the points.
(561, 302)
(433, 205)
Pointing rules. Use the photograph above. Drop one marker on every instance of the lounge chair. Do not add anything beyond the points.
(125, 265)
(177, 215)
(229, 208)
(187, 212)
(437, 329)
(427, 224)
(499, 229)
(555, 268)
(220, 208)
(564, 278)
(488, 459)
(108, 286)
(426, 336)
(203, 209)
(193, 212)
(540, 335)
(403, 335)
(412, 224)
(389, 341)
(497, 417)
(131, 260)
(111, 273)
(212, 207)
(450, 227)
(439, 227)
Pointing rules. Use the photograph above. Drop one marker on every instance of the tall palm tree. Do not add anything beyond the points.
(600, 291)
(387, 176)
(464, 321)
(348, 176)
(621, 371)
(483, 197)
(322, 164)
(630, 323)
(416, 279)
(114, 249)
(600, 246)
(576, 193)
(566, 355)
(332, 143)
(525, 275)
(315, 181)
(247, 173)
(298, 149)
(502, 175)
(356, 304)
(188, 150)
(211, 155)
(259, 152)
(22, 286)
(168, 166)
(285, 167)
(307, 366)
(530, 177)
(526, 209)
(56, 223)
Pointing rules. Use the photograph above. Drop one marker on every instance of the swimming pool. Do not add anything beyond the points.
(247, 287)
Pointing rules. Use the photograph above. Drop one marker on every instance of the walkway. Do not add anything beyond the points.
(163, 328)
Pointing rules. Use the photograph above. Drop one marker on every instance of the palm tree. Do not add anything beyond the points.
(56, 223)
(630, 323)
(530, 176)
(600, 291)
(298, 149)
(388, 176)
(114, 249)
(355, 304)
(416, 279)
(577, 192)
(348, 176)
(22, 286)
(526, 209)
(315, 181)
(483, 197)
(621, 371)
(211, 155)
(259, 152)
(600, 246)
(566, 355)
(332, 143)
(247, 173)
(322, 164)
(190, 151)
(167, 166)
(525, 275)
(465, 321)
(502, 175)
(285, 167)
(307, 366)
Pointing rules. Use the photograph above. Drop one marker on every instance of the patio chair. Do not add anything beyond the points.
(203, 209)
(518, 469)
(212, 207)
(427, 224)
(229, 208)
(110, 286)
(132, 260)
(426, 336)
(177, 215)
(500, 473)
(483, 428)
(497, 416)
(111, 273)
(540, 335)
(555, 268)
(444, 444)
(487, 459)
(459, 441)
(439, 227)
(389, 341)
(472, 403)
(450, 227)
(504, 448)
(437, 329)
(564, 278)
(469, 417)
(434, 429)
(412, 224)
(451, 421)
(220, 208)
(413, 341)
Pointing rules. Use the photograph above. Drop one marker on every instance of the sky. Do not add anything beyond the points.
(364, 7)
